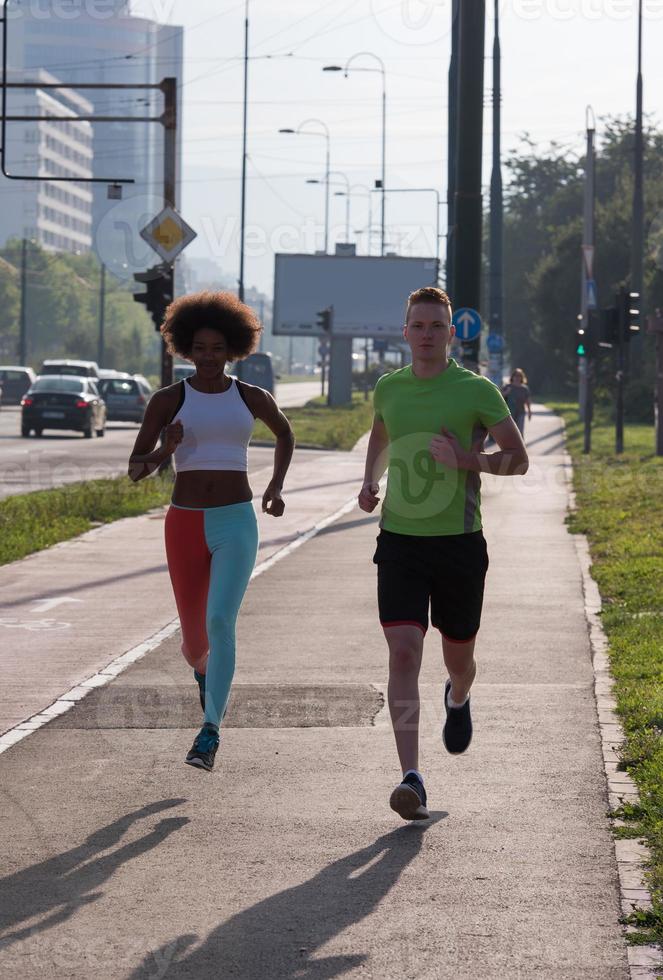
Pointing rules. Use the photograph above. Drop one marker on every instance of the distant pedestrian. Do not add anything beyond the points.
(211, 528)
(517, 396)
(431, 418)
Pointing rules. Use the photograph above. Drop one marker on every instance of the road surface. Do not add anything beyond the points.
(66, 457)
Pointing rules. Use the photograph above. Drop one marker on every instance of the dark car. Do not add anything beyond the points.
(84, 369)
(125, 398)
(55, 402)
(15, 381)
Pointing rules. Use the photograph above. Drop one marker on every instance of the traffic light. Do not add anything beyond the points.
(159, 295)
(629, 314)
(587, 337)
(323, 319)
(581, 339)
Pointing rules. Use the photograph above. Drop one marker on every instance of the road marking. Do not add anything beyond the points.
(45, 605)
(34, 625)
(120, 664)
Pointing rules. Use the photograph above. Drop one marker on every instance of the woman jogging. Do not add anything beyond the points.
(516, 395)
(211, 528)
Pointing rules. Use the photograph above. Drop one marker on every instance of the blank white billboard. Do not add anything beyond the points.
(368, 293)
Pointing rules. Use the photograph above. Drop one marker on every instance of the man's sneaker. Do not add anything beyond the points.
(457, 731)
(203, 750)
(200, 679)
(409, 799)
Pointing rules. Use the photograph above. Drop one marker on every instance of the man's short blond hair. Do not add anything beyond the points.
(428, 294)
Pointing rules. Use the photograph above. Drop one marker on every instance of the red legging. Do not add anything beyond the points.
(211, 553)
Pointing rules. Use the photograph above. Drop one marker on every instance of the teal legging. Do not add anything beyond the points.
(211, 553)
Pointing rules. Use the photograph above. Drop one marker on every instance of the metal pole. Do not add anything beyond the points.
(327, 165)
(638, 203)
(244, 132)
(621, 371)
(467, 251)
(384, 157)
(366, 356)
(169, 193)
(586, 365)
(102, 315)
(22, 329)
(496, 288)
(452, 140)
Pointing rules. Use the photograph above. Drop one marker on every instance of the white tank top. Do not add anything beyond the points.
(217, 429)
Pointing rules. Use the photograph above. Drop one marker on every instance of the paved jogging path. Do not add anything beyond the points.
(286, 862)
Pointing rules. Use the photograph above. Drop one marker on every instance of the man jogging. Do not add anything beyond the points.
(431, 419)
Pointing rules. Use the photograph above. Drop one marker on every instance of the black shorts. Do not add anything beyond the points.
(447, 571)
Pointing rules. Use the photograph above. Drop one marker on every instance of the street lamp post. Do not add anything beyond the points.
(367, 194)
(346, 193)
(424, 190)
(300, 131)
(382, 70)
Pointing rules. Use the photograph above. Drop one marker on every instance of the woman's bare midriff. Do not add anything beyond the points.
(211, 488)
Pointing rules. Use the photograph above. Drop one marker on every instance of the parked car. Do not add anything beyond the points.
(57, 402)
(85, 369)
(105, 373)
(256, 369)
(125, 398)
(182, 371)
(14, 382)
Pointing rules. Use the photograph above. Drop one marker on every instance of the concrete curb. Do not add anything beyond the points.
(631, 855)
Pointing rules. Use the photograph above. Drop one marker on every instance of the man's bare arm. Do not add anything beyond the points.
(376, 464)
(510, 460)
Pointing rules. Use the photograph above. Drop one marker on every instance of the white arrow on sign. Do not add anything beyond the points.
(45, 605)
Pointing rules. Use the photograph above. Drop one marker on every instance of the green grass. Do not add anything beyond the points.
(291, 379)
(620, 509)
(34, 521)
(319, 427)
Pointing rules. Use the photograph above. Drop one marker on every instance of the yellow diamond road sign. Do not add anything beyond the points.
(168, 233)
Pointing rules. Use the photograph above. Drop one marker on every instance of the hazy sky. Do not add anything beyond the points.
(557, 57)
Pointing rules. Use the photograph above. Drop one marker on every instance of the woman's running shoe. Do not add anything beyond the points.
(202, 752)
(409, 799)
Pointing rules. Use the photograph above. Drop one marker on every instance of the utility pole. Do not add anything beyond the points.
(467, 204)
(638, 199)
(22, 324)
(588, 297)
(620, 374)
(496, 280)
(102, 315)
(169, 88)
(452, 140)
(242, 222)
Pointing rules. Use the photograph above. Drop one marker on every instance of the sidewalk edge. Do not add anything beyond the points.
(117, 666)
(631, 855)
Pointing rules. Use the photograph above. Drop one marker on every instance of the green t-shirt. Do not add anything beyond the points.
(424, 497)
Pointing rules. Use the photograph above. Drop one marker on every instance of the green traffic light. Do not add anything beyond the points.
(580, 351)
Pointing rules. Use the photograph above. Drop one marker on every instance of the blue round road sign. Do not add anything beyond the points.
(467, 323)
(495, 343)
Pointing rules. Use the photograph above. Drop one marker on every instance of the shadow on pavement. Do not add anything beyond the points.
(346, 525)
(61, 885)
(279, 936)
(90, 583)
